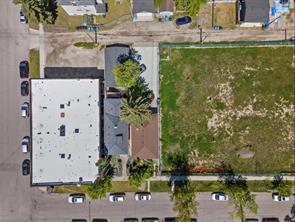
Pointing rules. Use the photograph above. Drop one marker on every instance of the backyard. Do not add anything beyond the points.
(229, 106)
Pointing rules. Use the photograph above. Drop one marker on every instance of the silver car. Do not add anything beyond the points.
(25, 110)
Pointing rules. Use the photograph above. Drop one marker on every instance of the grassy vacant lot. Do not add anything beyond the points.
(229, 104)
(224, 15)
(34, 63)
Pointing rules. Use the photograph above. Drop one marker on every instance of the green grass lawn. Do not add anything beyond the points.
(34, 63)
(229, 104)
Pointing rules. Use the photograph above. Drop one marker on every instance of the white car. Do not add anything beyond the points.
(76, 198)
(22, 17)
(143, 196)
(219, 196)
(278, 198)
(117, 197)
(25, 144)
(25, 110)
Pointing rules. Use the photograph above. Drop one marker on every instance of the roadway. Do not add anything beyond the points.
(19, 201)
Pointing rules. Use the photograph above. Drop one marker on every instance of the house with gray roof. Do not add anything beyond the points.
(84, 7)
(143, 10)
(114, 54)
(254, 13)
(116, 132)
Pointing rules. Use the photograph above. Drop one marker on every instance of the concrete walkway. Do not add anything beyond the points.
(206, 178)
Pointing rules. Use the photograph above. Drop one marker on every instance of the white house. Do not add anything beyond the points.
(84, 7)
(143, 10)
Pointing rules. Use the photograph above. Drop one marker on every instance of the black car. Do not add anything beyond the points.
(99, 220)
(131, 220)
(26, 167)
(79, 220)
(183, 20)
(173, 219)
(150, 219)
(24, 89)
(24, 69)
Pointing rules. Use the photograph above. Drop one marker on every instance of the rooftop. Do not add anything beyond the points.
(115, 131)
(77, 2)
(256, 11)
(145, 142)
(113, 54)
(142, 6)
(65, 130)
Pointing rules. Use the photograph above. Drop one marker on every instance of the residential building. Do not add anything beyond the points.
(143, 10)
(65, 131)
(254, 13)
(84, 7)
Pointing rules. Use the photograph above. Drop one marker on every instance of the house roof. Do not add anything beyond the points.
(167, 5)
(142, 6)
(77, 2)
(145, 142)
(113, 53)
(115, 131)
(255, 11)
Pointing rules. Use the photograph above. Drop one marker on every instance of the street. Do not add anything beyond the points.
(20, 202)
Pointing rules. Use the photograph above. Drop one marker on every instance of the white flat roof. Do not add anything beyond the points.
(65, 130)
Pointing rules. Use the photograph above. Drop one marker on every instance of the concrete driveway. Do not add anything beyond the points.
(150, 58)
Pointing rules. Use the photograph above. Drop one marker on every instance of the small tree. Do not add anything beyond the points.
(127, 73)
(184, 197)
(282, 187)
(99, 188)
(140, 170)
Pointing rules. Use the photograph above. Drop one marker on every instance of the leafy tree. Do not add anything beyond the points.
(99, 188)
(192, 6)
(44, 11)
(127, 73)
(158, 3)
(140, 170)
(240, 196)
(184, 197)
(281, 186)
(178, 160)
(135, 106)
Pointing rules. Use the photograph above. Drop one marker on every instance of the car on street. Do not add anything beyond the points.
(130, 220)
(143, 196)
(25, 143)
(219, 196)
(150, 219)
(142, 68)
(22, 17)
(173, 219)
(278, 198)
(24, 69)
(76, 198)
(26, 167)
(117, 197)
(99, 220)
(251, 220)
(183, 20)
(24, 88)
(25, 110)
(217, 27)
(270, 219)
(79, 220)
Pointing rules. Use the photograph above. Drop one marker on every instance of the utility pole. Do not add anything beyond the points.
(213, 1)
(201, 35)
(95, 30)
(285, 34)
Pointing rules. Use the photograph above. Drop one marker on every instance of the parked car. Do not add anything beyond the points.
(117, 197)
(216, 27)
(79, 220)
(99, 220)
(173, 219)
(24, 69)
(219, 196)
(24, 88)
(142, 68)
(26, 167)
(25, 143)
(150, 219)
(130, 220)
(183, 20)
(277, 197)
(25, 110)
(143, 196)
(271, 219)
(251, 220)
(22, 17)
(76, 198)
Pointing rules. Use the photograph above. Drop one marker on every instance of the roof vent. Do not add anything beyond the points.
(62, 155)
(62, 130)
(77, 130)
